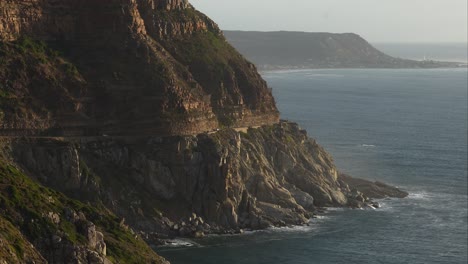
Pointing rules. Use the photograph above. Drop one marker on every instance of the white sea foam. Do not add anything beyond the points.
(368, 146)
(292, 229)
(385, 205)
(419, 195)
(331, 209)
(179, 242)
(320, 217)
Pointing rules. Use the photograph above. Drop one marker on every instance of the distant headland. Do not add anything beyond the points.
(296, 50)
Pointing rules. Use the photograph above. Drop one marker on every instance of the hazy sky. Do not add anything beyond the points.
(375, 20)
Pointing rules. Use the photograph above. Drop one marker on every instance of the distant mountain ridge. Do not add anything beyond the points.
(287, 49)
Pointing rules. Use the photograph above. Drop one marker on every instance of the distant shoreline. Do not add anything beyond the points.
(262, 70)
(304, 50)
(442, 51)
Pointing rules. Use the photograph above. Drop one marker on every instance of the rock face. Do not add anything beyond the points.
(123, 67)
(376, 189)
(273, 175)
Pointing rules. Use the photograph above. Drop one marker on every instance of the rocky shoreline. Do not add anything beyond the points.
(223, 182)
(265, 177)
(191, 231)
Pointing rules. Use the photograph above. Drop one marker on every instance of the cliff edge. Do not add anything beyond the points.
(122, 67)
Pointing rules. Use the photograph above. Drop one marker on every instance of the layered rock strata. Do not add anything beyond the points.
(269, 176)
(123, 67)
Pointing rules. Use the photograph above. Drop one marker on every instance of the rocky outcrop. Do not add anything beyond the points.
(56, 248)
(209, 183)
(123, 67)
(377, 190)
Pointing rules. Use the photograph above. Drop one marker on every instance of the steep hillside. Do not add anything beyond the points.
(284, 49)
(39, 225)
(122, 67)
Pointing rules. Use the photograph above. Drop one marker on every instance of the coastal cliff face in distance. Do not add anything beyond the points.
(309, 50)
(127, 121)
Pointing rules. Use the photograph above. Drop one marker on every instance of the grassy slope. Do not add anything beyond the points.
(212, 60)
(23, 203)
(35, 82)
(14, 247)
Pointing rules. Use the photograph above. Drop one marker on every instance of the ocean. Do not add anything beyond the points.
(404, 127)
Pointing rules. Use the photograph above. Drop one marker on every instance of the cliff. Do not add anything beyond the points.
(121, 67)
(104, 199)
(285, 49)
(269, 176)
(127, 121)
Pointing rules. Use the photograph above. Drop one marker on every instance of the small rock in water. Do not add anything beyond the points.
(199, 234)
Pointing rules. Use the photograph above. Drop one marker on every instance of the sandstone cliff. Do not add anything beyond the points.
(269, 176)
(122, 67)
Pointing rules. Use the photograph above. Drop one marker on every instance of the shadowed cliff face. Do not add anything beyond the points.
(274, 175)
(145, 67)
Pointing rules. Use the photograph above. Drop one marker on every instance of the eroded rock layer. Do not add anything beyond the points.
(273, 175)
(123, 67)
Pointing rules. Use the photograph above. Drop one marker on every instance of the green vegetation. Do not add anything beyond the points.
(26, 204)
(14, 246)
(178, 15)
(33, 78)
(37, 48)
(206, 48)
(226, 121)
(87, 173)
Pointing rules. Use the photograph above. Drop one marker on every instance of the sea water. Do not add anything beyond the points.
(404, 127)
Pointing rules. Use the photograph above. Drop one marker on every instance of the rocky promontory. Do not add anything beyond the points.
(218, 182)
(127, 121)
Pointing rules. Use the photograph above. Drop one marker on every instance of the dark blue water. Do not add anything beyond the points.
(405, 127)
